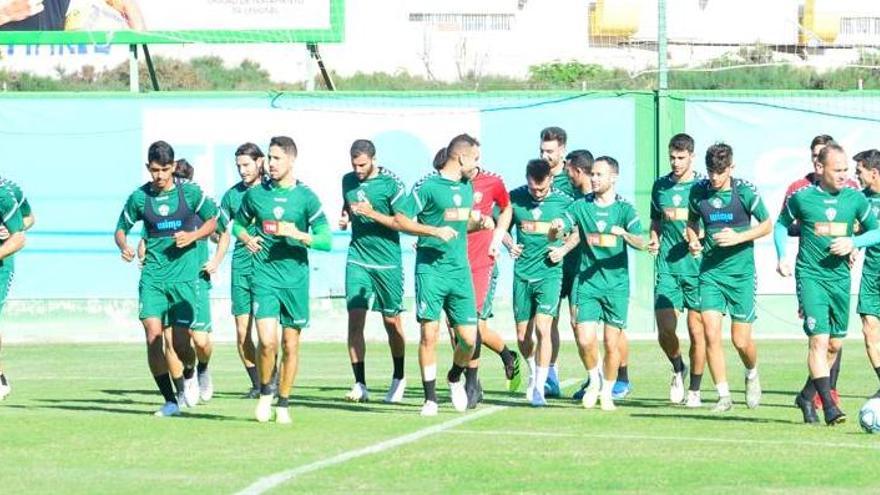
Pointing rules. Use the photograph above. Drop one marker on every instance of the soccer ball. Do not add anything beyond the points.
(869, 416)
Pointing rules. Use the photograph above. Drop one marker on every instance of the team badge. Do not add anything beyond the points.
(478, 196)
(676, 200)
(457, 199)
(164, 209)
(278, 212)
(601, 225)
(830, 213)
(361, 196)
(536, 213)
(716, 203)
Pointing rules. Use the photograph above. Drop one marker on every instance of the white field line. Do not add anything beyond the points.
(267, 483)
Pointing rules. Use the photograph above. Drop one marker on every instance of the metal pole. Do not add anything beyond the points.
(150, 68)
(133, 79)
(662, 48)
(328, 81)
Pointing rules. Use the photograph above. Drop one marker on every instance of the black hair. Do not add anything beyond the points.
(615, 167)
(160, 152)
(821, 139)
(439, 159)
(183, 169)
(459, 143)
(580, 159)
(681, 142)
(363, 147)
(538, 169)
(554, 134)
(285, 143)
(719, 157)
(251, 150)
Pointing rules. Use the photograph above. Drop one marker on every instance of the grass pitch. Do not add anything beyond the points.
(79, 421)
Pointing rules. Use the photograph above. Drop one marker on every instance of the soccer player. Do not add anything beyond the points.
(606, 224)
(484, 247)
(283, 211)
(442, 203)
(724, 207)
(827, 212)
(373, 273)
(537, 271)
(15, 217)
(249, 160)
(868, 171)
(168, 289)
(677, 284)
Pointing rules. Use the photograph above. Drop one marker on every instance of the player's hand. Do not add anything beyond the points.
(183, 239)
(254, 244)
(445, 233)
(19, 10)
(784, 267)
(289, 229)
(853, 257)
(127, 254)
(344, 221)
(555, 253)
(215, 238)
(210, 267)
(617, 230)
(4, 233)
(487, 223)
(842, 246)
(362, 208)
(516, 250)
(654, 246)
(695, 247)
(727, 237)
(556, 228)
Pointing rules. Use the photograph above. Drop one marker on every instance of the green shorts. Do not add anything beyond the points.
(676, 292)
(242, 288)
(869, 295)
(378, 289)
(531, 297)
(202, 321)
(610, 306)
(6, 276)
(289, 305)
(825, 305)
(175, 303)
(453, 294)
(733, 295)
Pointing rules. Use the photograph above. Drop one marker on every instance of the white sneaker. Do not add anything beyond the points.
(168, 410)
(591, 395)
(458, 395)
(753, 391)
(191, 391)
(606, 402)
(693, 399)
(395, 391)
(530, 390)
(206, 386)
(358, 393)
(181, 400)
(5, 390)
(429, 408)
(538, 399)
(724, 404)
(676, 389)
(263, 412)
(282, 415)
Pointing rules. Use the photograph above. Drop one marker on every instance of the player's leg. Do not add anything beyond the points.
(697, 355)
(614, 313)
(388, 286)
(266, 314)
(740, 297)
(622, 386)
(5, 388)
(158, 365)
(429, 300)
(821, 351)
(668, 301)
(869, 310)
(293, 318)
(183, 317)
(543, 354)
(712, 306)
(358, 296)
(493, 340)
(200, 331)
(461, 309)
(481, 278)
(871, 332)
(242, 310)
(5, 280)
(589, 313)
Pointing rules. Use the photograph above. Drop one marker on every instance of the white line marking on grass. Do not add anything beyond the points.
(602, 436)
(267, 483)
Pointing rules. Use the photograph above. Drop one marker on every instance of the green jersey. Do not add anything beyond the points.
(242, 259)
(441, 202)
(532, 221)
(373, 245)
(872, 254)
(562, 183)
(162, 214)
(11, 217)
(669, 206)
(17, 193)
(604, 265)
(722, 209)
(823, 217)
(282, 262)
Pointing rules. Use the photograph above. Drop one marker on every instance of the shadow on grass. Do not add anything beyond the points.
(186, 414)
(715, 418)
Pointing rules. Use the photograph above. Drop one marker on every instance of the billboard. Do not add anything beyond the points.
(170, 21)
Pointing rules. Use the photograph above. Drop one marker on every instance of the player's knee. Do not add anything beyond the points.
(741, 342)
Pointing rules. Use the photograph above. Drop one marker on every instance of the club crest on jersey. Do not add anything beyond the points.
(600, 225)
(361, 196)
(830, 213)
(676, 200)
(457, 199)
(478, 196)
(716, 203)
(164, 210)
(536, 213)
(278, 212)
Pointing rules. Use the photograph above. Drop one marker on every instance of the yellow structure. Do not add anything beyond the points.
(614, 18)
(820, 22)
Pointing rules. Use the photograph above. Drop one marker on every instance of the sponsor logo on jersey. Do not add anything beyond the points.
(721, 216)
(169, 224)
(280, 200)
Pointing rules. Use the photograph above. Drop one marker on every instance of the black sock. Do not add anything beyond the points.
(359, 373)
(677, 364)
(163, 381)
(430, 390)
(470, 376)
(266, 389)
(201, 367)
(398, 367)
(478, 345)
(252, 374)
(823, 386)
(178, 384)
(696, 380)
(809, 390)
(4, 382)
(877, 370)
(188, 373)
(506, 356)
(835, 369)
(454, 374)
(283, 401)
(622, 374)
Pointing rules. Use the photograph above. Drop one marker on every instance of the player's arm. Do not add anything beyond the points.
(870, 236)
(630, 232)
(557, 253)
(692, 230)
(365, 209)
(244, 217)
(131, 214)
(729, 237)
(14, 223)
(407, 209)
(781, 232)
(320, 237)
(561, 226)
(131, 11)
(656, 215)
(502, 227)
(223, 241)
